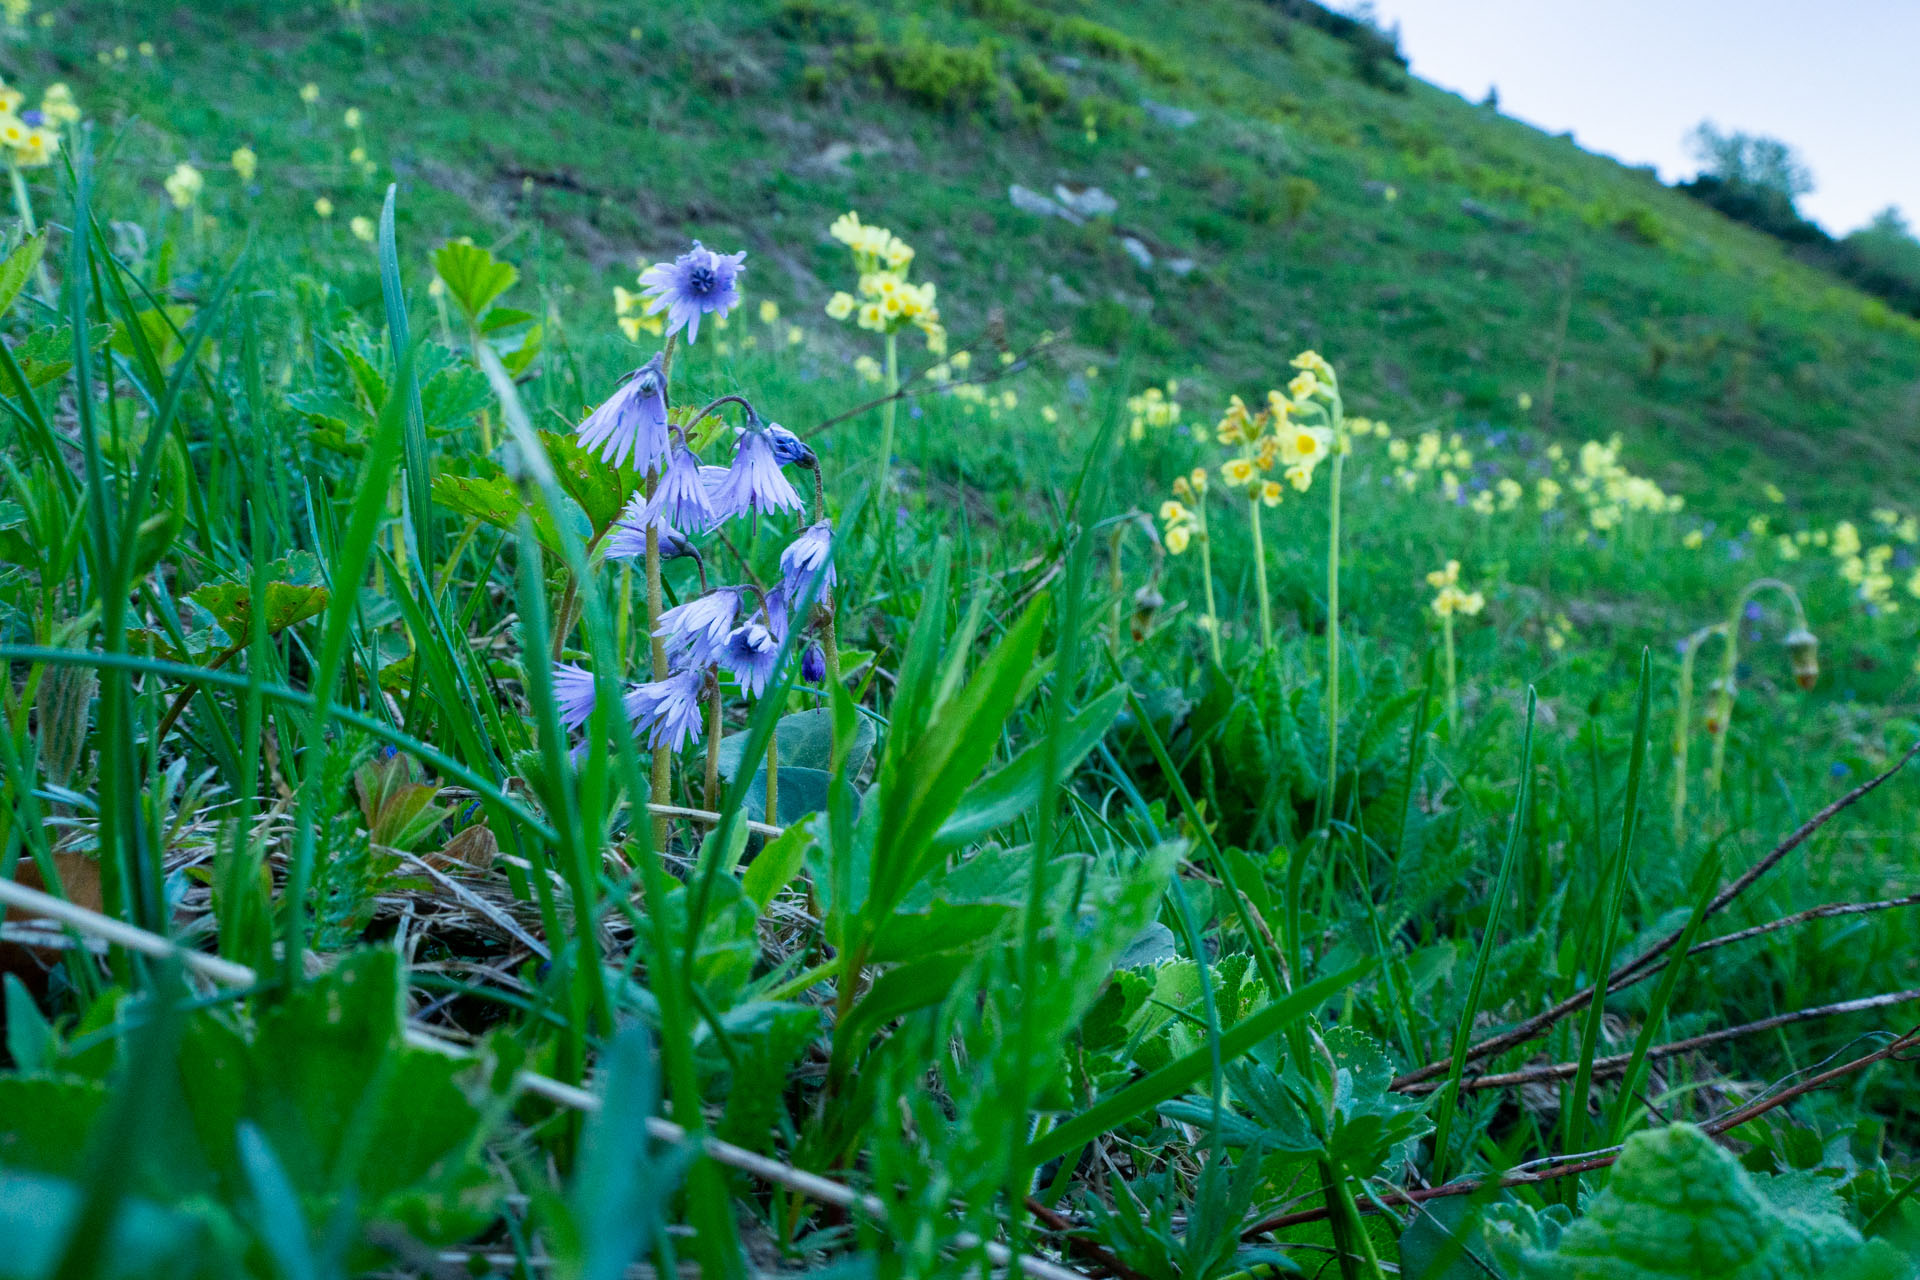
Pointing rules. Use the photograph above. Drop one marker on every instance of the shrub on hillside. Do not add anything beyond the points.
(824, 22)
(954, 79)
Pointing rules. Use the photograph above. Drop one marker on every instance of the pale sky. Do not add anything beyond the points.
(1838, 81)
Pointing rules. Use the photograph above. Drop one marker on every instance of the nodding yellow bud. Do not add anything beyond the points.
(1719, 706)
(1146, 603)
(1803, 654)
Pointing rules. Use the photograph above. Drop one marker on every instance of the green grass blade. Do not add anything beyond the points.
(1476, 986)
(419, 475)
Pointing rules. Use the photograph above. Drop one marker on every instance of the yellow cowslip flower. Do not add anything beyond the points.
(1312, 362)
(184, 185)
(58, 106)
(1913, 584)
(1177, 538)
(38, 150)
(795, 334)
(1450, 486)
(1886, 517)
(1266, 454)
(1604, 518)
(1238, 472)
(1305, 446)
(1483, 502)
(1270, 493)
(1771, 492)
(1049, 414)
(351, 117)
(362, 228)
(1445, 577)
(1846, 539)
(1300, 476)
(1302, 386)
(1008, 400)
(1172, 510)
(1407, 478)
(892, 306)
(1426, 452)
(146, 48)
(840, 306)
(1397, 450)
(871, 317)
(1198, 476)
(323, 207)
(1757, 526)
(1693, 539)
(358, 156)
(309, 93)
(1786, 547)
(1510, 491)
(245, 163)
(1181, 489)
(1546, 492)
(1558, 632)
(962, 360)
(13, 132)
(11, 100)
(769, 311)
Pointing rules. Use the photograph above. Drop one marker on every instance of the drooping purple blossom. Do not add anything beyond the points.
(696, 632)
(752, 654)
(789, 448)
(806, 566)
(627, 540)
(774, 607)
(681, 498)
(667, 712)
(699, 282)
(573, 692)
(754, 483)
(813, 664)
(630, 427)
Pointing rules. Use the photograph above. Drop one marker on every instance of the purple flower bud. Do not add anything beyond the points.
(627, 540)
(789, 448)
(573, 690)
(813, 664)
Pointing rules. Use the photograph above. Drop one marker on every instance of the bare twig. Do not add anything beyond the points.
(908, 390)
(1731, 1120)
(1623, 976)
(1619, 1061)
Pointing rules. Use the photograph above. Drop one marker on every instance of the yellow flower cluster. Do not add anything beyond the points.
(1179, 522)
(184, 185)
(885, 301)
(630, 313)
(1292, 434)
(1153, 408)
(30, 146)
(1605, 488)
(1451, 600)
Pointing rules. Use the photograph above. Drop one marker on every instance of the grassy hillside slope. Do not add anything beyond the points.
(1468, 269)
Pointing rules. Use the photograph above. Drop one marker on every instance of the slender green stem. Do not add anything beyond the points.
(1683, 727)
(1453, 690)
(1206, 582)
(1730, 666)
(773, 777)
(884, 470)
(1333, 602)
(713, 744)
(829, 637)
(1260, 575)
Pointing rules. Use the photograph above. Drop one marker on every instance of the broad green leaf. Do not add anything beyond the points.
(1677, 1207)
(474, 277)
(147, 1242)
(1005, 795)
(774, 868)
(19, 267)
(41, 1116)
(495, 500)
(600, 489)
(806, 741)
(295, 593)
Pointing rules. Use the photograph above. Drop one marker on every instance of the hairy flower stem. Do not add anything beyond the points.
(661, 761)
(1683, 726)
(1260, 576)
(829, 641)
(1333, 598)
(713, 744)
(1206, 582)
(1729, 666)
(23, 204)
(884, 472)
(1453, 689)
(773, 776)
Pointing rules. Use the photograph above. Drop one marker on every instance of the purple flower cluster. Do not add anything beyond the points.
(742, 632)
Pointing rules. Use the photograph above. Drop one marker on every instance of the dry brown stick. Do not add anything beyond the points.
(1540, 1022)
(1827, 912)
(1619, 1061)
(1716, 1127)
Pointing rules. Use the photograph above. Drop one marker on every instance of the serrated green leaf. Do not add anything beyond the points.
(474, 277)
(19, 268)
